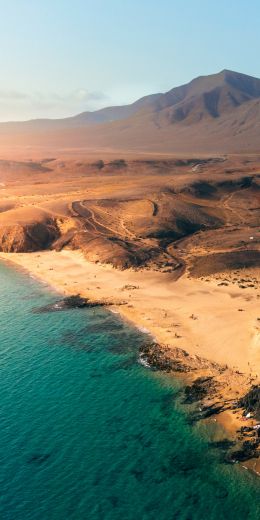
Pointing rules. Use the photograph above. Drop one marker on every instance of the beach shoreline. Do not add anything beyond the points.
(189, 316)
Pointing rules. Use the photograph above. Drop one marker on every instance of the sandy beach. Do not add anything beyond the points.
(200, 317)
(220, 324)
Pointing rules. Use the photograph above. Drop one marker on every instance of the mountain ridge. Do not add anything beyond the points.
(215, 113)
(158, 100)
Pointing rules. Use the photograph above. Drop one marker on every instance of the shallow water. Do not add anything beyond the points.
(86, 432)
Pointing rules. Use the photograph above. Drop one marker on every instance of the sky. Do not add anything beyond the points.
(61, 57)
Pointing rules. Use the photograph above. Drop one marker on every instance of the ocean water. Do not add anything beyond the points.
(86, 432)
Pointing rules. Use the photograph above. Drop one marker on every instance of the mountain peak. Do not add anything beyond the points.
(209, 96)
(229, 71)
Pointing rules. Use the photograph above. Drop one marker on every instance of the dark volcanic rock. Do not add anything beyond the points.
(199, 389)
(208, 411)
(70, 302)
(248, 451)
(157, 358)
(251, 401)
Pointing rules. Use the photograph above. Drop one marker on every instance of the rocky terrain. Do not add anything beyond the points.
(175, 214)
(209, 395)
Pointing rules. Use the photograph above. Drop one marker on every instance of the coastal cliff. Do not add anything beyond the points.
(27, 238)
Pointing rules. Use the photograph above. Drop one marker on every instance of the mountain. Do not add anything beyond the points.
(208, 96)
(104, 115)
(115, 113)
(216, 113)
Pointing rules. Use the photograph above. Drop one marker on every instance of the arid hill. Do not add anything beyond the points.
(199, 214)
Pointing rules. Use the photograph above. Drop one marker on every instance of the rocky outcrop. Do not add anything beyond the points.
(21, 238)
(200, 388)
(74, 301)
(69, 302)
(248, 450)
(163, 358)
(251, 401)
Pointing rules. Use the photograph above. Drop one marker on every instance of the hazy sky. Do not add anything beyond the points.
(60, 57)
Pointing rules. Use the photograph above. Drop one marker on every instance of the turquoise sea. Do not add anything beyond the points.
(86, 432)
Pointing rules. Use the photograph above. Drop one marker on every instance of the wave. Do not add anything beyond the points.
(143, 361)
